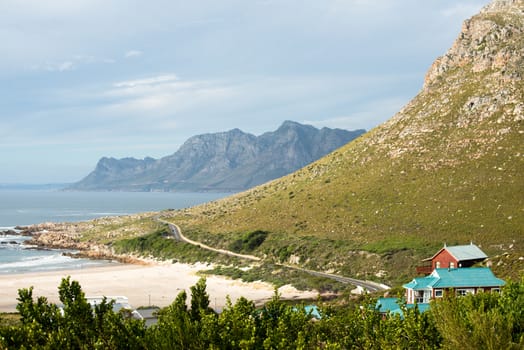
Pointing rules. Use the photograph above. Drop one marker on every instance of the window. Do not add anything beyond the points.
(452, 265)
(438, 293)
(422, 296)
(463, 292)
(419, 296)
(495, 290)
(438, 265)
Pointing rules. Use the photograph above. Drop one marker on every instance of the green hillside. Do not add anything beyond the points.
(448, 168)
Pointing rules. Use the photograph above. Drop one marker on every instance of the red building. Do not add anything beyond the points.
(452, 257)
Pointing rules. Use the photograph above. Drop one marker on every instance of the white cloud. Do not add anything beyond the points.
(144, 104)
(133, 53)
(74, 63)
(164, 96)
(255, 105)
(61, 67)
(161, 79)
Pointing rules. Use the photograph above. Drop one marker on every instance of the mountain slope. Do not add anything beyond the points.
(225, 161)
(447, 168)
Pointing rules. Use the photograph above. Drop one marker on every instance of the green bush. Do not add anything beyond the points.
(249, 242)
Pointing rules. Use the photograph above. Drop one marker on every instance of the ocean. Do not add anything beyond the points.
(26, 207)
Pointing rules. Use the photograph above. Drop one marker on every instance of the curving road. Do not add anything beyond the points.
(367, 285)
(177, 235)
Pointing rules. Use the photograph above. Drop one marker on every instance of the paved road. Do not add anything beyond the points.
(367, 285)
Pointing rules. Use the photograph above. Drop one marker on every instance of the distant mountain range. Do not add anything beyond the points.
(224, 161)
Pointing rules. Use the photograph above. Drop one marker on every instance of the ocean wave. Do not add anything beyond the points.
(53, 262)
(35, 263)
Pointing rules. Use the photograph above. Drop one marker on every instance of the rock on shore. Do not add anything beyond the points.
(71, 236)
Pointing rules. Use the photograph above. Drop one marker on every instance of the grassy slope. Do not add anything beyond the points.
(438, 172)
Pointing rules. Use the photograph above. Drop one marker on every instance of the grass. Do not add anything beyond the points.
(108, 230)
(280, 276)
(156, 245)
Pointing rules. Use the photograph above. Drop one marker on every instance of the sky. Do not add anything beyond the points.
(84, 79)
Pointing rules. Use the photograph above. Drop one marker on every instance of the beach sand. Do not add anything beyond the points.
(152, 284)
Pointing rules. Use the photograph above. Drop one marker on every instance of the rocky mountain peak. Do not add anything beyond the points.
(491, 40)
(497, 5)
(472, 101)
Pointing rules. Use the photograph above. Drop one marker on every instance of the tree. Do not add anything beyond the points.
(484, 320)
(199, 300)
(175, 328)
(39, 319)
(237, 325)
(77, 323)
(75, 326)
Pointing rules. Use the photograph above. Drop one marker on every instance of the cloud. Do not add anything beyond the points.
(163, 96)
(161, 79)
(161, 104)
(61, 67)
(133, 53)
(74, 63)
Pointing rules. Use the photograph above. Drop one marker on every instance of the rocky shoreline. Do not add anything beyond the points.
(66, 236)
(17, 231)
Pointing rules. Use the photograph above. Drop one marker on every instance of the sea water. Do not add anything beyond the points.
(26, 207)
(15, 257)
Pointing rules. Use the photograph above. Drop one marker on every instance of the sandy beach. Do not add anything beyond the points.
(152, 284)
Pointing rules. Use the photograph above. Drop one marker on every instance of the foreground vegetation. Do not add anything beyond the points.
(482, 321)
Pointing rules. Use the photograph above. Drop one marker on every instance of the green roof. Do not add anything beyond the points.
(392, 305)
(466, 277)
(420, 283)
(463, 252)
(466, 252)
(388, 304)
(456, 278)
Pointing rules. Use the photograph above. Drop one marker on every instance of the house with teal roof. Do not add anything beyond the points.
(460, 281)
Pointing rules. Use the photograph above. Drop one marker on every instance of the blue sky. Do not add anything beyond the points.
(85, 79)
